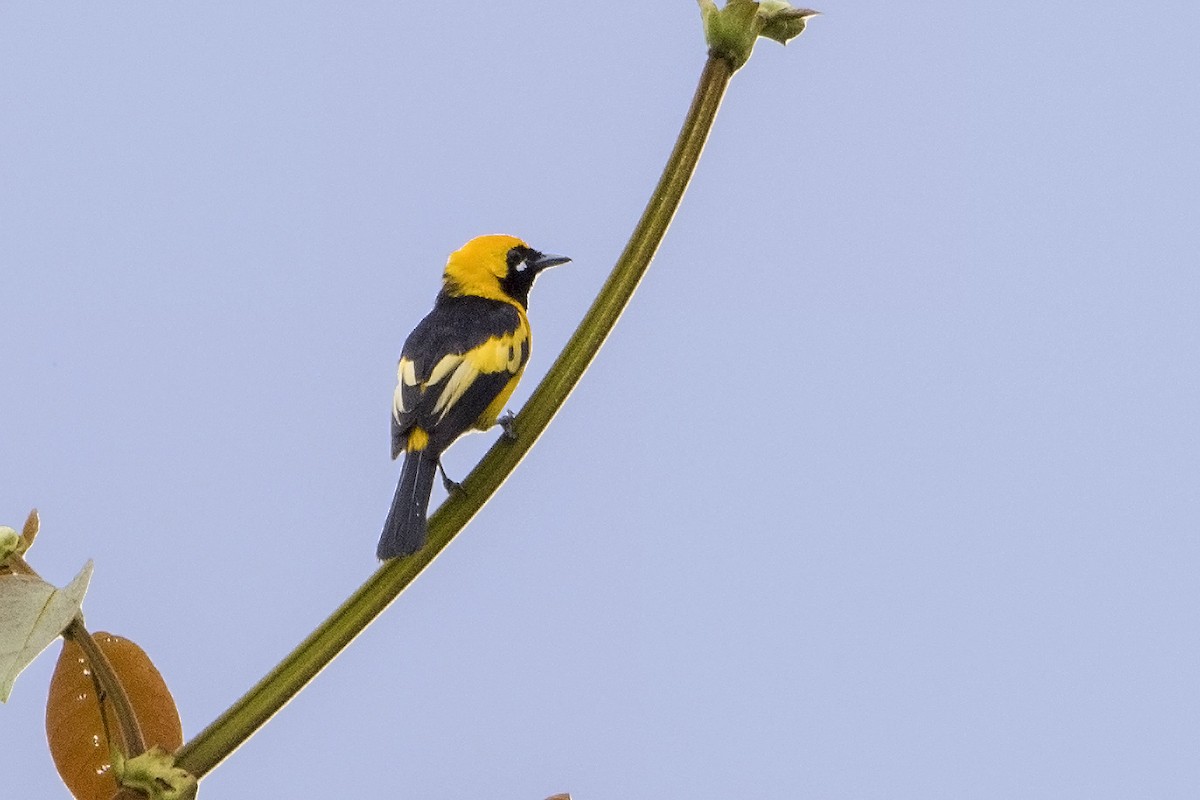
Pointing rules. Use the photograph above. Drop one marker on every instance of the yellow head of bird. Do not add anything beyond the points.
(497, 267)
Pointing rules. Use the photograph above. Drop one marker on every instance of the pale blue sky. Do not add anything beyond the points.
(886, 485)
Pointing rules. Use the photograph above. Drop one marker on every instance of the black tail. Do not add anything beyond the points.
(404, 531)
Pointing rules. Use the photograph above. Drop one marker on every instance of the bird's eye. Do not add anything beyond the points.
(518, 259)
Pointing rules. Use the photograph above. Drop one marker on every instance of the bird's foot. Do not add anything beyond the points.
(507, 423)
(452, 487)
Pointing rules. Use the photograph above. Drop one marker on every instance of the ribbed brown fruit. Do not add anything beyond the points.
(77, 737)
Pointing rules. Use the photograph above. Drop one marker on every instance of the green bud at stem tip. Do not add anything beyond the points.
(731, 31)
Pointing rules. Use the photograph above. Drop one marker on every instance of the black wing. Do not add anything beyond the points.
(454, 363)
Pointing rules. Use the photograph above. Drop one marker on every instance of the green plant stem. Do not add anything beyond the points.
(240, 721)
(106, 678)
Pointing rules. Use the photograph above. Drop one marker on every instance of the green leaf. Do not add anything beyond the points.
(781, 22)
(32, 615)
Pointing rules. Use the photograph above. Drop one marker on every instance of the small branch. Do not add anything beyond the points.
(110, 684)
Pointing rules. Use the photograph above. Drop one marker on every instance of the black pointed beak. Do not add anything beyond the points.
(543, 260)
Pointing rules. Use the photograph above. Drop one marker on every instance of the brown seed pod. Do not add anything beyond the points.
(79, 734)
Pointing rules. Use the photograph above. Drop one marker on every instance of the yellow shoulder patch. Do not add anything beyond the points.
(456, 385)
(498, 354)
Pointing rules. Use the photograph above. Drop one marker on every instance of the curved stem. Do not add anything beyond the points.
(240, 721)
(114, 690)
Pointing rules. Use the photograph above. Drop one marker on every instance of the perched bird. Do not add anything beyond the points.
(457, 370)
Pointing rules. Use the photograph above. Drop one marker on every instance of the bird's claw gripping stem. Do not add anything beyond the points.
(452, 487)
(507, 423)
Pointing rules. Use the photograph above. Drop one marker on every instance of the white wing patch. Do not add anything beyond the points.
(406, 375)
(407, 372)
(456, 386)
(442, 368)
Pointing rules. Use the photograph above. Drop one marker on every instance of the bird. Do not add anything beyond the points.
(457, 370)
